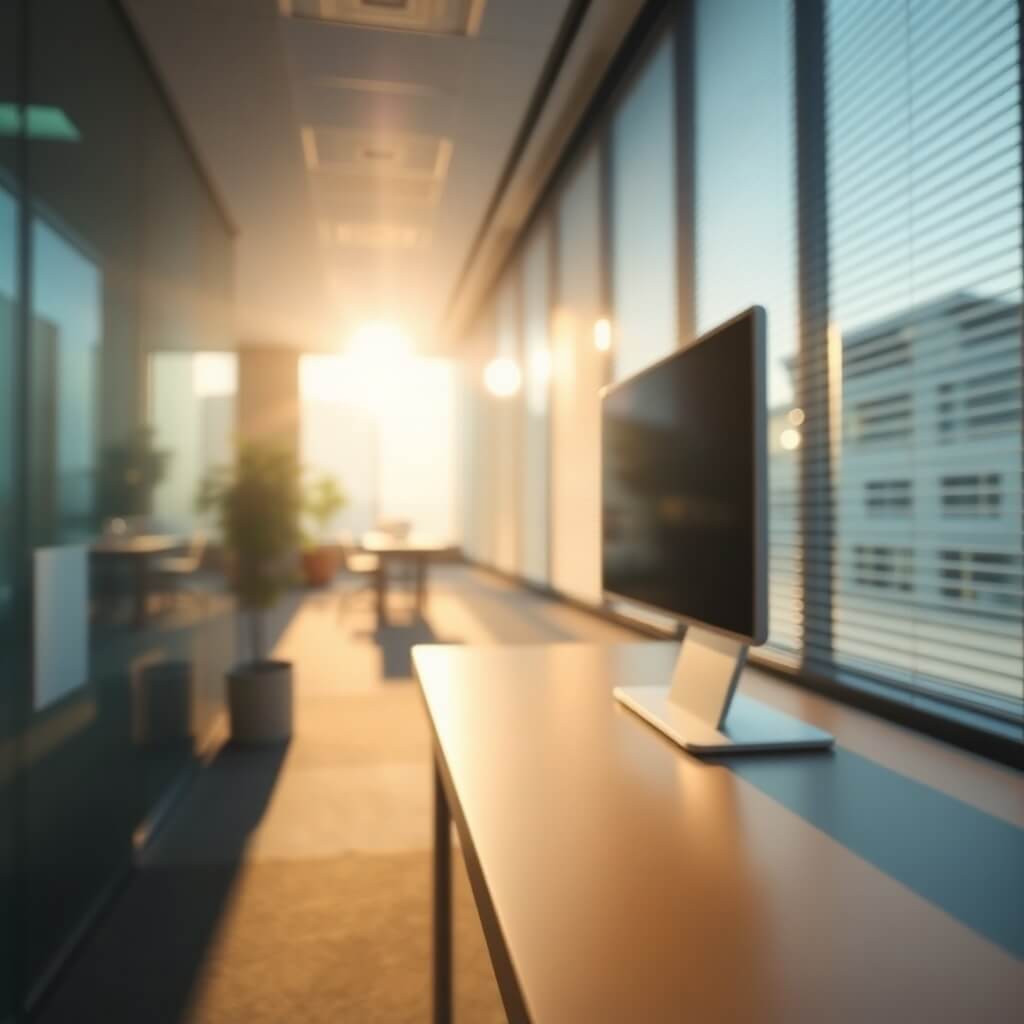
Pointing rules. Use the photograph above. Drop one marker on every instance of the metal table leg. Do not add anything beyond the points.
(382, 592)
(421, 585)
(442, 904)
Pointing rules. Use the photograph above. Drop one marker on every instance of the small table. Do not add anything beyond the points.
(137, 549)
(415, 549)
(618, 878)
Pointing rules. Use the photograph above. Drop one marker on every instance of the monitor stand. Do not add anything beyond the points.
(702, 712)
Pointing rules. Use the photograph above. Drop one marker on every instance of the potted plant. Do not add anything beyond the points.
(129, 473)
(323, 501)
(258, 506)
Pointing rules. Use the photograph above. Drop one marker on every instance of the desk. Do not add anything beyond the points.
(390, 549)
(138, 550)
(621, 880)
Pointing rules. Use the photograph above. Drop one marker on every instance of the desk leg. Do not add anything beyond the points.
(442, 904)
(382, 592)
(141, 590)
(421, 585)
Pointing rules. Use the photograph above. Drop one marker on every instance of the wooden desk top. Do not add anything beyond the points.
(619, 879)
(385, 544)
(137, 544)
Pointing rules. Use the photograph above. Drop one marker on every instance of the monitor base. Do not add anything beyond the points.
(749, 727)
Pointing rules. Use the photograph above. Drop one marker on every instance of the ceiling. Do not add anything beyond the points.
(357, 144)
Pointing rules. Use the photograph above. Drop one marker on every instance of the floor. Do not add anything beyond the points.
(293, 885)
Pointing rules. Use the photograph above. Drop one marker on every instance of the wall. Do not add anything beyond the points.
(112, 251)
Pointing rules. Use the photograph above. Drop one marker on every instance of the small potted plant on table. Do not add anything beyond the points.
(258, 505)
(324, 500)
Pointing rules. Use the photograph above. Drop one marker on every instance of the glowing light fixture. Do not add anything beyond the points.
(540, 364)
(380, 341)
(502, 377)
(796, 417)
(790, 439)
(602, 334)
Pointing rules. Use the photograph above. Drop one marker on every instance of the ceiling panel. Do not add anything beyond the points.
(357, 157)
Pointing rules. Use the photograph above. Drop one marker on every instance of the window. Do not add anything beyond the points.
(578, 373)
(972, 496)
(643, 217)
(981, 578)
(536, 392)
(888, 498)
(881, 420)
(979, 406)
(884, 568)
(855, 168)
(923, 193)
(745, 243)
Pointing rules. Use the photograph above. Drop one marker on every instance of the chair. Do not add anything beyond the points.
(363, 565)
(175, 570)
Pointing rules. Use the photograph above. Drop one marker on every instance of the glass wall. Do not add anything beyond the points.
(508, 422)
(579, 372)
(644, 217)
(391, 465)
(11, 670)
(745, 241)
(536, 279)
(856, 169)
(113, 678)
(925, 279)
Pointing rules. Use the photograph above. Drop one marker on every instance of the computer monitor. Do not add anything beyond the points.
(684, 531)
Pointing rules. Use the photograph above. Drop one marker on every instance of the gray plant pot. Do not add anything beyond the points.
(260, 702)
(164, 709)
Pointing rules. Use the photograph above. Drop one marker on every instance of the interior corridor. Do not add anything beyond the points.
(294, 884)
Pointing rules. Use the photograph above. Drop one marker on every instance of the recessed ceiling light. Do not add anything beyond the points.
(436, 17)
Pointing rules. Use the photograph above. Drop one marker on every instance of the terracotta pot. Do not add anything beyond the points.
(320, 565)
(260, 702)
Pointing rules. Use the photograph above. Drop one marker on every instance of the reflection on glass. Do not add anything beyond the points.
(67, 325)
(925, 263)
(578, 376)
(536, 275)
(643, 218)
(745, 244)
(8, 323)
(192, 411)
(503, 379)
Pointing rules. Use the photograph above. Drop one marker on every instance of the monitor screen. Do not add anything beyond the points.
(683, 483)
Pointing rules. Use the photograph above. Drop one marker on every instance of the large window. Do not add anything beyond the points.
(578, 374)
(855, 167)
(536, 278)
(643, 217)
(385, 431)
(745, 242)
(924, 193)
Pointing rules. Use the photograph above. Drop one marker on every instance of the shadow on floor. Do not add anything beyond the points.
(396, 641)
(145, 958)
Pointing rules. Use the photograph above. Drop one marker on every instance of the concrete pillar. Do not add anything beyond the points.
(268, 395)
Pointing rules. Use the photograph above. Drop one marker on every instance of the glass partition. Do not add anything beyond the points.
(11, 649)
(746, 243)
(114, 677)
